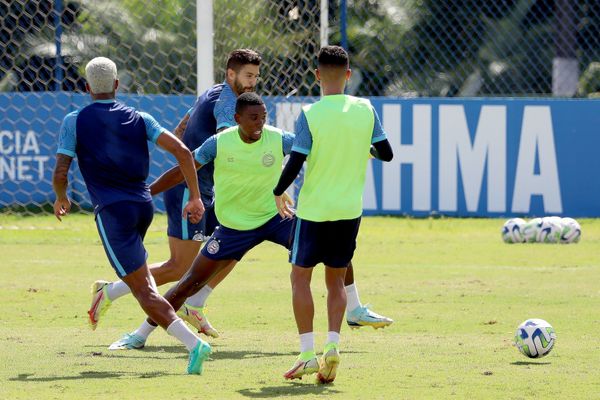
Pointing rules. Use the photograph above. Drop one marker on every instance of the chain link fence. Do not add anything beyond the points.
(398, 48)
(474, 48)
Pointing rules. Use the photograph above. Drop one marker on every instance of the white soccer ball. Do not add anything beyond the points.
(535, 338)
(531, 229)
(550, 230)
(511, 231)
(571, 231)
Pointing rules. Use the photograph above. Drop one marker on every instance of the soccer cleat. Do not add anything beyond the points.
(195, 317)
(328, 364)
(362, 316)
(305, 364)
(100, 302)
(129, 341)
(197, 357)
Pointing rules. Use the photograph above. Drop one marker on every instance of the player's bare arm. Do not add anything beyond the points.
(180, 128)
(60, 182)
(169, 179)
(194, 209)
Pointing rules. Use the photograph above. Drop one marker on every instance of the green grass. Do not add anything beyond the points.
(456, 292)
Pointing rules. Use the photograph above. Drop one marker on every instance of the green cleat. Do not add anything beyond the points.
(129, 341)
(328, 364)
(100, 303)
(195, 316)
(362, 316)
(305, 364)
(198, 355)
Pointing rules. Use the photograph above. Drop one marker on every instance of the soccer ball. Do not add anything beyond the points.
(571, 231)
(535, 338)
(531, 229)
(550, 230)
(511, 231)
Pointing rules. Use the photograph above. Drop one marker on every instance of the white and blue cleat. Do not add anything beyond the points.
(362, 316)
(129, 341)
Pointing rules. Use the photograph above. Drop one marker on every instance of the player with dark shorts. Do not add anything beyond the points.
(247, 160)
(213, 111)
(110, 141)
(329, 204)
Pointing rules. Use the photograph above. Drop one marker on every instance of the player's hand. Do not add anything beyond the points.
(284, 206)
(193, 210)
(62, 207)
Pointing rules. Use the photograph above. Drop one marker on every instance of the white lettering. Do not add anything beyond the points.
(369, 193)
(23, 167)
(390, 187)
(537, 136)
(41, 160)
(31, 144)
(7, 168)
(418, 154)
(455, 147)
(6, 148)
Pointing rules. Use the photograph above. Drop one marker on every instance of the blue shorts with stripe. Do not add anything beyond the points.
(181, 228)
(122, 227)
(330, 242)
(232, 244)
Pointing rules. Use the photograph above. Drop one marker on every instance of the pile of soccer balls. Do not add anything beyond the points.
(541, 230)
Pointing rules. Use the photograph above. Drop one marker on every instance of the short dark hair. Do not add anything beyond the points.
(333, 56)
(240, 57)
(247, 99)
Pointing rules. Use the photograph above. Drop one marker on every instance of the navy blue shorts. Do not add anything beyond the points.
(122, 227)
(181, 228)
(330, 242)
(231, 244)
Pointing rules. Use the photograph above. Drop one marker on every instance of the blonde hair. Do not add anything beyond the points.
(101, 73)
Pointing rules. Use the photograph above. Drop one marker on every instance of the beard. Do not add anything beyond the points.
(240, 88)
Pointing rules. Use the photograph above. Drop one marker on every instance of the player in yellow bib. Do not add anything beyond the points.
(335, 136)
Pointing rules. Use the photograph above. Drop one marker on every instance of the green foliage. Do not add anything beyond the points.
(589, 83)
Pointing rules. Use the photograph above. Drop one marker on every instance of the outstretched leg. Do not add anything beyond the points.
(357, 314)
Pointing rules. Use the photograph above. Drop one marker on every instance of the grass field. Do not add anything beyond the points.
(456, 292)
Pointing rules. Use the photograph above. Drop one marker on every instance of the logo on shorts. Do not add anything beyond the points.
(268, 159)
(212, 247)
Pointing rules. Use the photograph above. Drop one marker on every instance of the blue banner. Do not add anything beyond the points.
(456, 157)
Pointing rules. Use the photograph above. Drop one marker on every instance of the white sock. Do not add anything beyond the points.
(179, 329)
(199, 299)
(307, 342)
(117, 289)
(352, 296)
(333, 337)
(144, 330)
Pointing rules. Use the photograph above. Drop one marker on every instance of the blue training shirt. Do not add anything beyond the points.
(303, 141)
(214, 110)
(110, 141)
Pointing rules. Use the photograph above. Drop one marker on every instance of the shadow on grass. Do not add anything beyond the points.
(530, 363)
(87, 375)
(291, 389)
(218, 353)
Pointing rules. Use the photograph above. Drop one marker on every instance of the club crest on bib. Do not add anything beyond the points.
(268, 159)
(212, 247)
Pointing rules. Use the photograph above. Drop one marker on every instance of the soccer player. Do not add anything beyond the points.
(334, 136)
(212, 112)
(110, 142)
(247, 163)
